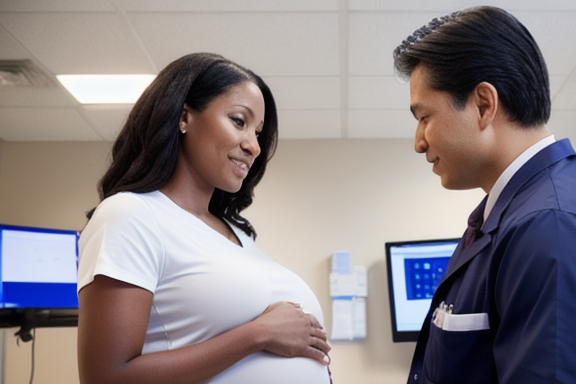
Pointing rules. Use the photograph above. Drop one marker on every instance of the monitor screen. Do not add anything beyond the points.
(415, 269)
(38, 268)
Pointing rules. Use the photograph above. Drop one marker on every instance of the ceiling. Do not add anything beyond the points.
(328, 62)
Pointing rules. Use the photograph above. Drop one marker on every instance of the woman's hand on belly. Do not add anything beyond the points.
(288, 331)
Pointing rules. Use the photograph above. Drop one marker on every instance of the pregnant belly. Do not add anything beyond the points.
(265, 368)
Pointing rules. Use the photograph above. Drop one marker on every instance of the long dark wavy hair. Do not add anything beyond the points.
(145, 152)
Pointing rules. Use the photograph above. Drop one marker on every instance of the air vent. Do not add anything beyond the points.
(23, 73)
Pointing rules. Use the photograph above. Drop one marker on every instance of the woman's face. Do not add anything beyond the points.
(220, 143)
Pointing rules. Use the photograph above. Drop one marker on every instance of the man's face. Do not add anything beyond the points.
(448, 136)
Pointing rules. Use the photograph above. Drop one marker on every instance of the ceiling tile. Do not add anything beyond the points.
(10, 49)
(44, 124)
(57, 6)
(271, 44)
(107, 120)
(31, 96)
(448, 5)
(565, 98)
(309, 124)
(375, 35)
(305, 92)
(561, 124)
(366, 124)
(378, 92)
(70, 43)
(318, 57)
(229, 5)
(412, 5)
(556, 83)
(555, 33)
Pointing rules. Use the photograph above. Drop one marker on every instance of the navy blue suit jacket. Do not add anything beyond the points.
(521, 272)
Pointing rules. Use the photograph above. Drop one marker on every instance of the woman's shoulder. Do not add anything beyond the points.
(125, 206)
(129, 197)
(127, 201)
(123, 215)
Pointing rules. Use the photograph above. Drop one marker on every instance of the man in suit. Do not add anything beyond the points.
(506, 308)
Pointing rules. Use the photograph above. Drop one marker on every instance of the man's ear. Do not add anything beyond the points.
(487, 102)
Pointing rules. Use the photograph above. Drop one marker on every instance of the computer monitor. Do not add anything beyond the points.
(38, 276)
(414, 269)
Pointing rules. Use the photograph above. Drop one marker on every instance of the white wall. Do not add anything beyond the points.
(318, 196)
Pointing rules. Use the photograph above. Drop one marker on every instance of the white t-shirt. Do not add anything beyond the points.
(203, 284)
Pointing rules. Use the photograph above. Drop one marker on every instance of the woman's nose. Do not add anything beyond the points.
(251, 145)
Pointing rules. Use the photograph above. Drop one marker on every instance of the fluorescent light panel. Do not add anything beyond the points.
(106, 89)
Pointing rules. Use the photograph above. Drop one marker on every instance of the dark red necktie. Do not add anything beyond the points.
(475, 222)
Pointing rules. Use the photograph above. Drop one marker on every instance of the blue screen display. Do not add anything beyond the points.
(415, 269)
(39, 295)
(423, 276)
(38, 268)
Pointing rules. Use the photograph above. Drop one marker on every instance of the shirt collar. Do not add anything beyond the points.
(511, 170)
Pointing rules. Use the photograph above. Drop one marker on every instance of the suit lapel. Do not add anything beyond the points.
(542, 160)
(461, 256)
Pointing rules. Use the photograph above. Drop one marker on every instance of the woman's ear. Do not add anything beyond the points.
(487, 102)
(185, 119)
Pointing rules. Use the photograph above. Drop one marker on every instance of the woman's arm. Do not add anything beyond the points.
(112, 326)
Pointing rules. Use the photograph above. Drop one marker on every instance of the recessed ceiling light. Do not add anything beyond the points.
(106, 89)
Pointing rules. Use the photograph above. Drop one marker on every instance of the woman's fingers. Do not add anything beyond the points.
(295, 332)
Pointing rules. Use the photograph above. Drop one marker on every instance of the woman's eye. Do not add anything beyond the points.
(239, 122)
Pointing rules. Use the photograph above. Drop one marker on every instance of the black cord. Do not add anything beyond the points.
(33, 353)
